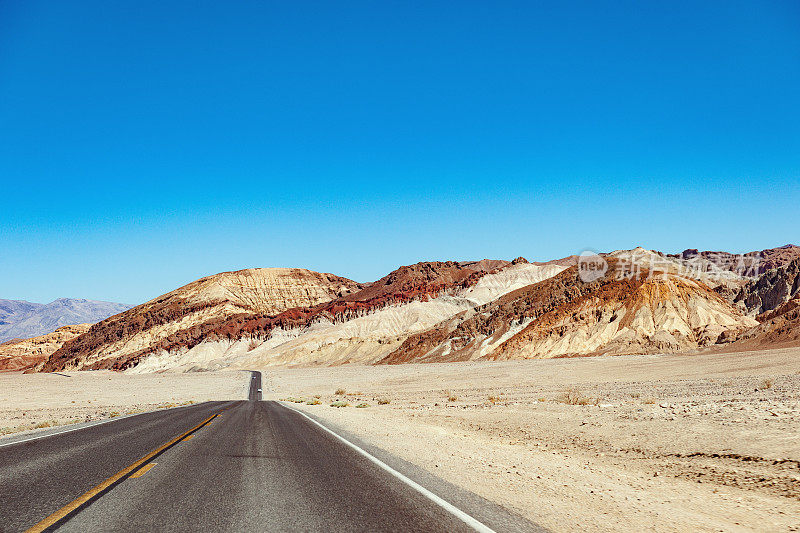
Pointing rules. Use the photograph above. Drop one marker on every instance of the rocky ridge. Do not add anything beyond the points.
(647, 302)
(22, 354)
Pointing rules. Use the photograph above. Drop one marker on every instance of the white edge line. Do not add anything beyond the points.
(452, 509)
(96, 423)
(86, 426)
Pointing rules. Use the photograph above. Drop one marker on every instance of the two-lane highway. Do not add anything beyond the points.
(219, 466)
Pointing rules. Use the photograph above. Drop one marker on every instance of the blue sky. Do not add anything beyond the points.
(146, 144)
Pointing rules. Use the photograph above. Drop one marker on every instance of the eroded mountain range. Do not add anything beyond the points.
(646, 302)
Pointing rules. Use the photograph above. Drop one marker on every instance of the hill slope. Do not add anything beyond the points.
(193, 310)
(564, 316)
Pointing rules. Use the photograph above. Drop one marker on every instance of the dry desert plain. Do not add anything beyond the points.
(707, 442)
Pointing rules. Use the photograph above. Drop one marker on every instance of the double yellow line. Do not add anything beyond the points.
(81, 500)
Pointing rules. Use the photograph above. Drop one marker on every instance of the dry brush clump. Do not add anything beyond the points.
(340, 392)
(573, 396)
(767, 384)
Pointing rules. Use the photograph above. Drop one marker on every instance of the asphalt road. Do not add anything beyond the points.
(254, 395)
(217, 466)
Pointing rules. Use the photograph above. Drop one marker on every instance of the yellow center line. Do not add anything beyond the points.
(143, 470)
(91, 493)
(190, 437)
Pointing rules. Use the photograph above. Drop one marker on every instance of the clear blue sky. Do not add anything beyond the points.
(146, 144)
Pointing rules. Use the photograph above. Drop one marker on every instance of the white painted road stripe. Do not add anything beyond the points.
(452, 509)
(83, 425)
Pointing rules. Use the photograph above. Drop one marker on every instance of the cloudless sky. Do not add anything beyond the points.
(146, 144)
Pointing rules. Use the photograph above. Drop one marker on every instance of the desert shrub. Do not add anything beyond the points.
(384, 401)
(452, 398)
(340, 403)
(649, 401)
(362, 405)
(767, 384)
(340, 392)
(313, 401)
(575, 397)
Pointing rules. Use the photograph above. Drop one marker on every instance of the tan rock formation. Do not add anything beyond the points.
(22, 354)
(193, 310)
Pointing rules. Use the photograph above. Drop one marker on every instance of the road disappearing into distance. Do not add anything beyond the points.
(217, 466)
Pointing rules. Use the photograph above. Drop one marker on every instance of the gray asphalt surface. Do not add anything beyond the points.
(257, 466)
(254, 395)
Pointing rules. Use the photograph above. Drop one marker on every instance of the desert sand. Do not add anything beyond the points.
(34, 401)
(665, 443)
(707, 442)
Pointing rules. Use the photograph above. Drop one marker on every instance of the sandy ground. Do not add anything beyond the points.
(669, 443)
(666, 443)
(33, 401)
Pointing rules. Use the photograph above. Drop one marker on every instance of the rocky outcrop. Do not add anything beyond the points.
(751, 263)
(774, 299)
(771, 290)
(23, 354)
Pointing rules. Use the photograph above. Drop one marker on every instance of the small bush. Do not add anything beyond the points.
(313, 401)
(45, 424)
(340, 392)
(493, 399)
(452, 398)
(293, 399)
(649, 401)
(362, 405)
(113, 414)
(575, 397)
(767, 384)
(340, 403)
(384, 401)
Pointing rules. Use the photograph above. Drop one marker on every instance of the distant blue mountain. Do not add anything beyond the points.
(21, 320)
